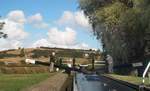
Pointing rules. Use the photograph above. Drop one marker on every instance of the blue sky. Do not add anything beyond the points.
(53, 23)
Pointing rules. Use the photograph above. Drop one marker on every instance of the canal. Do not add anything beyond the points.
(92, 82)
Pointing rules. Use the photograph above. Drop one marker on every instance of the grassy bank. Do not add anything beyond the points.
(130, 79)
(16, 82)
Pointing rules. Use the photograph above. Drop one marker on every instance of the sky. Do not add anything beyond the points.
(49, 23)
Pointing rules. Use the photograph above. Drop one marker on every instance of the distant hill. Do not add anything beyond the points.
(42, 54)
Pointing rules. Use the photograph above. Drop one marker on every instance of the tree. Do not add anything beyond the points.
(2, 34)
(121, 27)
(22, 53)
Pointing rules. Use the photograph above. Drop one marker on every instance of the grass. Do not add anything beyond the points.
(17, 82)
(130, 79)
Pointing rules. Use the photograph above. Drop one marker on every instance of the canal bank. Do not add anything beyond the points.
(68, 84)
(93, 82)
(131, 84)
(59, 82)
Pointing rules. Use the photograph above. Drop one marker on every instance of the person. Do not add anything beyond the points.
(52, 61)
(110, 63)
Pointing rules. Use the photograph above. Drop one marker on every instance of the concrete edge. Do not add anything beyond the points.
(134, 86)
(68, 84)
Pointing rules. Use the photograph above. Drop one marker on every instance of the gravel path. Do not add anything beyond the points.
(53, 83)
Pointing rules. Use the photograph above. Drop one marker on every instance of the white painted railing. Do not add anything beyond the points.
(145, 71)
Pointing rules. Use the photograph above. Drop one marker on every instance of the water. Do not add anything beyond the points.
(84, 82)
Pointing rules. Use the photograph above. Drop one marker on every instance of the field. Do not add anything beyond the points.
(18, 56)
(17, 82)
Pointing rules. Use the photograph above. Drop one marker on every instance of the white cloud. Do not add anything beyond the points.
(16, 44)
(81, 46)
(81, 19)
(15, 23)
(36, 18)
(16, 16)
(37, 21)
(66, 19)
(62, 38)
(9, 44)
(59, 37)
(46, 43)
(14, 28)
(75, 20)
(41, 42)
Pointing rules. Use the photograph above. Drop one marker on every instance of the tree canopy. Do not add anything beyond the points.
(121, 26)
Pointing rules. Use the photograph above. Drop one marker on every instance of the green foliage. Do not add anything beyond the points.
(121, 25)
(110, 14)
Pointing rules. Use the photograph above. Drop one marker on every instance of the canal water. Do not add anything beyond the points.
(84, 82)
